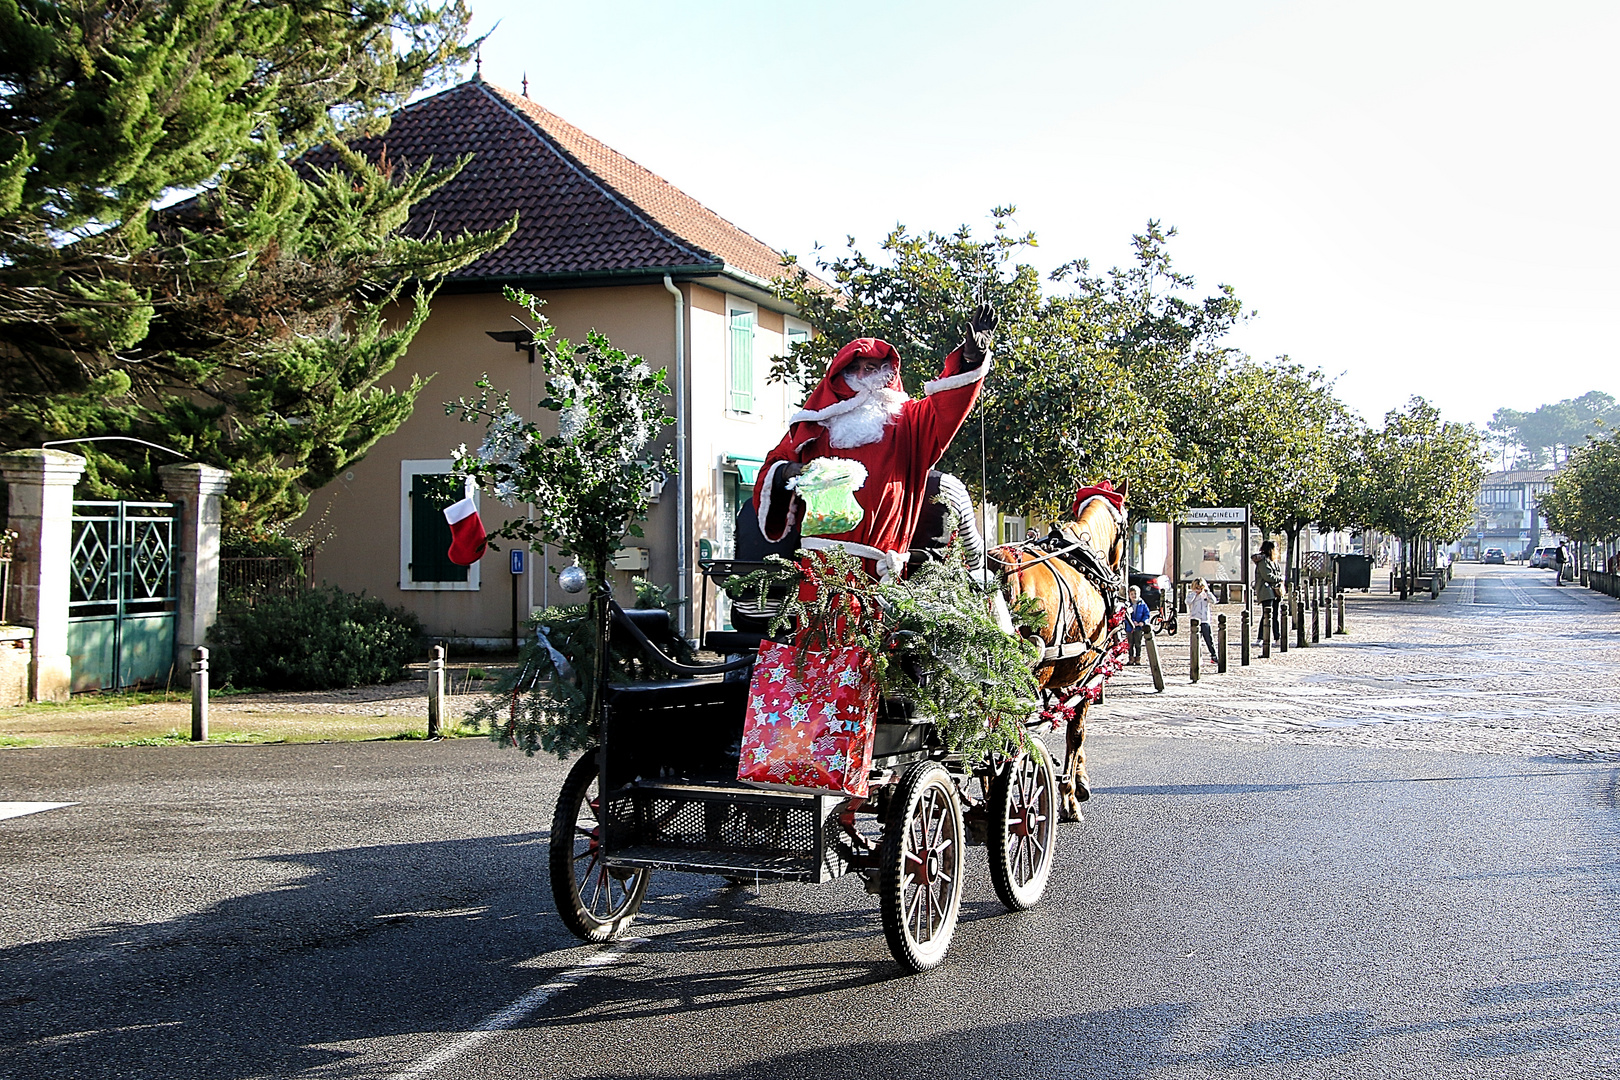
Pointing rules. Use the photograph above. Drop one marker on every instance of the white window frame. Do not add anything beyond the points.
(738, 304)
(409, 469)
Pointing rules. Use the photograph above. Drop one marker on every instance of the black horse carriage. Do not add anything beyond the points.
(661, 793)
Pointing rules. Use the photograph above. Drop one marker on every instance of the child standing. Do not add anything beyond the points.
(1140, 621)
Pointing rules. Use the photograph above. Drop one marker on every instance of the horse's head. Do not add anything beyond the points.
(1099, 524)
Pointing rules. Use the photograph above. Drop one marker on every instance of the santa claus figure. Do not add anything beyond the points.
(861, 412)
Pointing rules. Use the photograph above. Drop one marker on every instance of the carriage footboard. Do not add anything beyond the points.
(728, 830)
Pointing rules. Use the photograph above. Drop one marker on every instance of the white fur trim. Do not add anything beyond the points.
(763, 510)
(460, 511)
(961, 378)
(888, 562)
(837, 408)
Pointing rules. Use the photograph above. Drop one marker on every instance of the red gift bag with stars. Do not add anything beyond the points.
(809, 725)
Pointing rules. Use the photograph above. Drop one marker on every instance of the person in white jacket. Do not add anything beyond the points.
(1201, 606)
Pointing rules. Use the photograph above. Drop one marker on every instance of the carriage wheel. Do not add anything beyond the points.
(597, 903)
(921, 889)
(1023, 828)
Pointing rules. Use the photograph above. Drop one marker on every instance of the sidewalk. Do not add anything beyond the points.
(1537, 674)
(391, 710)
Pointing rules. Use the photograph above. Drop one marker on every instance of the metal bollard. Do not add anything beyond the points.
(1316, 622)
(1341, 613)
(1284, 623)
(436, 693)
(1245, 638)
(199, 694)
(1153, 662)
(1299, 621)
(1434, 586)
(1193, 646)
(1220, 644)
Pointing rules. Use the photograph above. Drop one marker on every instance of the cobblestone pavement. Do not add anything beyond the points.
(1503, 662)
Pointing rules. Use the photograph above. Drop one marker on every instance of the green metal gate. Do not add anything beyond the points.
(122, 609)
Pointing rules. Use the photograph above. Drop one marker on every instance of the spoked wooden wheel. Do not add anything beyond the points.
(597, 903)
(1023, 826)
(923, 844)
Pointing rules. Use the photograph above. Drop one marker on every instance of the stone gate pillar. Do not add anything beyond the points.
(198, 489)
(40, 484)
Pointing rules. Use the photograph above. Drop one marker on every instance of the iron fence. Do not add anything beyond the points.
(243, 582)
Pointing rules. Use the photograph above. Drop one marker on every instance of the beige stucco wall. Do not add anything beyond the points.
(363, 506)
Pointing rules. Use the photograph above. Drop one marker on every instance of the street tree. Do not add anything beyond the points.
(1098, 375)
(1417, 477)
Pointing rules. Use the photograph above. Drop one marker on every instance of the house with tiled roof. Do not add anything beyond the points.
(609, 246)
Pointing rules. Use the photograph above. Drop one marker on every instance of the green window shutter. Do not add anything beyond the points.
(742, 361)
(430, 533)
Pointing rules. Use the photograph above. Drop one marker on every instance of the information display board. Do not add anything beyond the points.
(1212, 542)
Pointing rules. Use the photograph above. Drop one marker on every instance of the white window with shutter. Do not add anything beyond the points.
(742, 393)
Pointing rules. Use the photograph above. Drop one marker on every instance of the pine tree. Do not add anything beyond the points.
(247, 326)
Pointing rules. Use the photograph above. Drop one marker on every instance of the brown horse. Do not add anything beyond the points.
(1076, 633)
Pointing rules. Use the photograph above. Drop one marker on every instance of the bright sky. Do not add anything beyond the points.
(1416, 197)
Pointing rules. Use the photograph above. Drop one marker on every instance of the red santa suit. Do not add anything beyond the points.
(897, 462)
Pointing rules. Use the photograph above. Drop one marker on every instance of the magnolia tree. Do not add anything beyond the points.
(588, 485)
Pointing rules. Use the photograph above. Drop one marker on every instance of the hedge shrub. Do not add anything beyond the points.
(314, 639)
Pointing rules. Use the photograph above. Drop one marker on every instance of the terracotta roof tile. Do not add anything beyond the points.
(583, 207)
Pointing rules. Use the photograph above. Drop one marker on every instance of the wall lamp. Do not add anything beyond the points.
(521, 340)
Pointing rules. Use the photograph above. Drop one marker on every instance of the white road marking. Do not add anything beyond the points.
(18, 809)
(516, 1012)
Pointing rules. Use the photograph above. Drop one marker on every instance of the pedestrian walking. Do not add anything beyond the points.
(1139, 620)
(1201, 606)
(1560, 557)
(1268, 587)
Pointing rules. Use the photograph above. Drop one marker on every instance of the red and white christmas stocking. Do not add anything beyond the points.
(467, 538)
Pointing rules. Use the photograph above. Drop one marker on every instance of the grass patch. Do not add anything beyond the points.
(170, 739)
(7, 741)
(455, 731)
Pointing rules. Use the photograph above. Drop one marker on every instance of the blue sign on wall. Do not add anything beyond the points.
(517, 560)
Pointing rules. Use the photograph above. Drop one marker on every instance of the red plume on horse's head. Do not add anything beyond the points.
(1103, 488)
(832, 389)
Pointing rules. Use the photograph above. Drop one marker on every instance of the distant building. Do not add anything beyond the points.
(1505, 513)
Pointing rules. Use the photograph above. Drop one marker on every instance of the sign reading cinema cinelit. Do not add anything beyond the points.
(1212, 542)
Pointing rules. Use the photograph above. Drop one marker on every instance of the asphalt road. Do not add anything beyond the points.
(1240, 903)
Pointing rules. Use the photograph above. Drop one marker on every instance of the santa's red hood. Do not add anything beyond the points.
(832, 390)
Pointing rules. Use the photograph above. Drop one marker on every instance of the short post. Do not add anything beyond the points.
(1244, 638)
(1316, 621)
(1341, 613)
(1283, 622)
(1192, 649)
(1299, 619)
(1153, 661)
(199, 694)
(1434, 586)
(1220, 643)
(436, 693)
(1266, 630)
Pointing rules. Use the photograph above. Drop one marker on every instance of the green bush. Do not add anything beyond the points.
(314, 639)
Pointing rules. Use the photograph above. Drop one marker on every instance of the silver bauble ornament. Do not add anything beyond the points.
(572, 579)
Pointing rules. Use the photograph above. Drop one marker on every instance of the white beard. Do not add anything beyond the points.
(879, 405)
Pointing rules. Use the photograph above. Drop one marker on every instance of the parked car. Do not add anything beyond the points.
(1494, 555)
(1544, 558)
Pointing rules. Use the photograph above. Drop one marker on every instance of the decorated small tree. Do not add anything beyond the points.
(588, 485)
